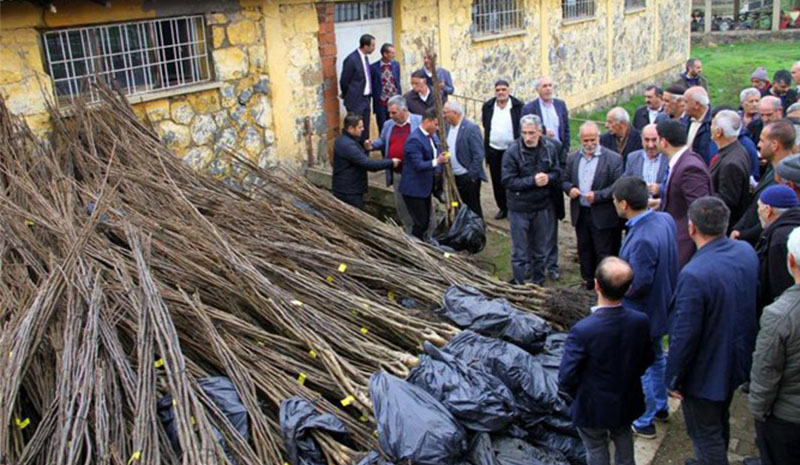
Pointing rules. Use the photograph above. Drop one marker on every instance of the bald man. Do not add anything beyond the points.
(621, 137)
(698, 121)
(589, 177)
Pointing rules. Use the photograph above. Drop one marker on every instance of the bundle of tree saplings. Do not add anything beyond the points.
(127, 279)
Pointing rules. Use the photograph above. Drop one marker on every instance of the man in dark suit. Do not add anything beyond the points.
(730, 172)
(674, 103)
(697, 122)
(351, 163)
(651, 248)
(530, 169)
(355, 83)
(588, 180)
(420, 97)
(648, 164)
(552, 111)
(442, 75)
(777, 209)
(385, 75)
(422, 156)
(713, 328)
(687, 179)
(648, 113)
(770, 109)
(500, 116)
(604, 357)
(465, 145)
(782, 88)
(621, 136)
(776, 143)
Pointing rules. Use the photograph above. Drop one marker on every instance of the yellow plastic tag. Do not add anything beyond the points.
(447, 255)
(10, 353)
(364, 305)
(454, 204)
(301, 380)
(22, 424)
(375, 433)
(29, 223)
(342, 268)
(159, 363)
(364, 330)
(297, 303)
(174, 402)
(354, 312)
(312, 353)
(136, 456)
(390, 294)
(69, 444)
(362, 418)
(193, 422)
(348, 400)
(329, 279)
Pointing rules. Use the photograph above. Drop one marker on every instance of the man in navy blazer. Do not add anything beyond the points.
(697, 121)
(465, 143)
(713, 328)
(422, 156)
(552, 111)
(385, 74)
(355, 83)
(604, 357)
(687, 179)
(651, 248)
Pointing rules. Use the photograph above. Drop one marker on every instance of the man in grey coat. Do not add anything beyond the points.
(648, 163)
(775, 373)
(465, 143)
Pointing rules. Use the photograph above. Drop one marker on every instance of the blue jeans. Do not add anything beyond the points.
(531, 239)
(707, 423)
(596, 443)
(654, 387)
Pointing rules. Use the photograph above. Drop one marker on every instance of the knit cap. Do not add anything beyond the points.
(760, 73)
(789, 168)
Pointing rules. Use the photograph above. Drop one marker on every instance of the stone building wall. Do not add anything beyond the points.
(672, 36)
(418, 24)
(633, 40)
(578, 51)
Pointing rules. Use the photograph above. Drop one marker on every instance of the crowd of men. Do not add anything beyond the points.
(707, 199)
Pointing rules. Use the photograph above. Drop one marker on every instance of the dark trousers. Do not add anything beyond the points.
(594, 244)
(495, 159)
(778, 441)
(381, 115)
(708, 428)
(470, 192)
(355, 200)
(531, 238)
(596, 443)
(420, 210)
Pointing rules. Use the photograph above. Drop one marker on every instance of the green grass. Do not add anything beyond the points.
(726, 67)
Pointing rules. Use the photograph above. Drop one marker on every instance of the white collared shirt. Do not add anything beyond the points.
(652, 114)
(501, 135)
(424, 97)
(368, 84)
(694, 127)
(433, 145)
(550, 118)
(452, 136)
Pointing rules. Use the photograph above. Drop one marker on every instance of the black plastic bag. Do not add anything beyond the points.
(512, 451)
(480, 450)
(479, 400)
(373, 458)
(535, 389)
(553, 351)
(298, 417)
(223, 393)
(468, 232)
(468, 308)
(570, 446)
(412, 425)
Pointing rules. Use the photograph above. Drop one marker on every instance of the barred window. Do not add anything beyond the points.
(362, 11)
(139, 57)
(577, 9)
(630, 4)
(491, 17)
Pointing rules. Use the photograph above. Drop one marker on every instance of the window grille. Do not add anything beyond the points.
(362, 11)
(576, 9)
(634, 4)
(496, 16)
(139, 57)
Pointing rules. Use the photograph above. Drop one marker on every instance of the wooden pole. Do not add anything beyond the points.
(707, 19)
(776, 14)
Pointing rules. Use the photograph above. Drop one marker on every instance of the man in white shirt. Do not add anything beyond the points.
(698, 121)
(465, 144)
(647, 113)
(355, 82)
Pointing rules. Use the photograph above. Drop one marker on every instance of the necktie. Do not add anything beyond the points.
(664, 184)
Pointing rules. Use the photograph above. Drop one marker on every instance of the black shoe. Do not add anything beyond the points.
(647, 432)
(554, 275)
(663, 415)
(501, 215)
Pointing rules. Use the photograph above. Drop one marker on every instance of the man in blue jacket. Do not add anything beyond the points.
(351, 163)
(422, 156)
(713, 328)
(651, 248)
(605, 355)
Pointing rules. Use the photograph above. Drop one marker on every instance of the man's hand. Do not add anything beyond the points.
(441, 85)
(735, 234)
(441, 159)
(590, 197)
(574, 193)
(395, 162)
(654, 189)
(676, 395)
(541, 179)
(368, 144)
(551, 133)
(654, 204)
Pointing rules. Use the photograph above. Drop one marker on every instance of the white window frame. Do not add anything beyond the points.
(140, 57)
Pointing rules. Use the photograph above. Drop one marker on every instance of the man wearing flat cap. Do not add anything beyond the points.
(787, 173)
(779, 214)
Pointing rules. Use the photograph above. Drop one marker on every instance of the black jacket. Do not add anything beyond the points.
(773, 275)
(350, 166)
(749, 226)
(487, 112)
(633, 143)
(609, 169)
(520, 164)
(415, 103)
(730, 179)
(641, 117)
